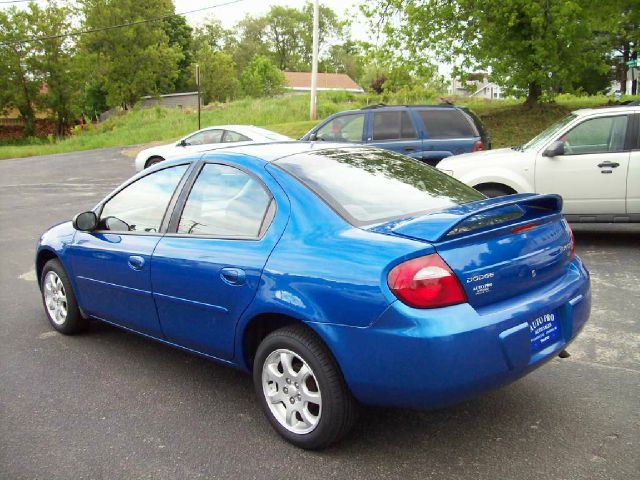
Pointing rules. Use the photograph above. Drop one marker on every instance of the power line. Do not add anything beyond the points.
(113, 27)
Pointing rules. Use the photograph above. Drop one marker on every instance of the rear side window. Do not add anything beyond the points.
(367, 186)
(395, 125)
(447, 123)
(231, 136)
(224, 202)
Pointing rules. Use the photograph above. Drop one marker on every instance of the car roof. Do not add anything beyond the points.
(607, 109)
(272, 151)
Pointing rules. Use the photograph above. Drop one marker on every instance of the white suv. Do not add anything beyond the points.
(591, 158)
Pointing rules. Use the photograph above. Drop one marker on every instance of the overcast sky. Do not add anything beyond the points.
(230, 14)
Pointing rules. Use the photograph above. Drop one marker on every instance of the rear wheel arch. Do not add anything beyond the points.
(262, 325)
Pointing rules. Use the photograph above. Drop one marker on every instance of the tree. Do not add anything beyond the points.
(261, 78)
(54, 62)
(217, 75)
(18, 88)
(180, 36)
(536, 45)
(624, 37)
(131, 61)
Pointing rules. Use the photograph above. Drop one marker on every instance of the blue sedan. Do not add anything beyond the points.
(337, 275)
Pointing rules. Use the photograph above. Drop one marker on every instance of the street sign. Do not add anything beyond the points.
(632, 63)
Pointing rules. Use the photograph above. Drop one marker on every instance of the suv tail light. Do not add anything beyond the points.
(425, 282)
(478, 146)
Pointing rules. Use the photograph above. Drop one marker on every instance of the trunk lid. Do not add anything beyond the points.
(497, 247)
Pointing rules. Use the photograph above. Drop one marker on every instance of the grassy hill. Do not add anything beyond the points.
(508, 121)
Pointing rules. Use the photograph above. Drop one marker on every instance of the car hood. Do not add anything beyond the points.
(486, 155)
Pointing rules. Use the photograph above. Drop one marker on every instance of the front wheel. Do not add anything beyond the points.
(59, 300)
(152, 161)
(301, 389)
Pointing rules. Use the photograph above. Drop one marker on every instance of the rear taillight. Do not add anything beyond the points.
(478, 146)
(573, 242)
(426, 282)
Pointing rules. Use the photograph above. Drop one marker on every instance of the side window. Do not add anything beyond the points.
(225, 202)
(597, 135)
(205, 138)
(140, 206)
(345, 128)
(393, 126)
(231, 136)
(446, 123)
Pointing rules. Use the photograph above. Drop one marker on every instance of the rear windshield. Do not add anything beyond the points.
(371, 185)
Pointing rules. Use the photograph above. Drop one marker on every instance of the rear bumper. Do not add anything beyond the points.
(434, 358)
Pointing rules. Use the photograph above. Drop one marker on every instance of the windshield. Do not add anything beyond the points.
(370, 185)
(536, 142)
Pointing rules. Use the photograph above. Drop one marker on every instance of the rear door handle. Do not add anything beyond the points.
(409, 149)
(136, 262)
(608, 164)
(233, 276)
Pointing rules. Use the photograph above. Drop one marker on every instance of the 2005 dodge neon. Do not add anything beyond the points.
(337, 275)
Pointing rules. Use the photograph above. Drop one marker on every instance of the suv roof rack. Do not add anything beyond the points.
(383, 105)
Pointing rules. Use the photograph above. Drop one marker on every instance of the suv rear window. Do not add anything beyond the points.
(370, 185)
(394, 125)
(446, 123)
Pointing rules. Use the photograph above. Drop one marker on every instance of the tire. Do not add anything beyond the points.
(152, 161)
(313, 425)
(59, 301)
(493, 192)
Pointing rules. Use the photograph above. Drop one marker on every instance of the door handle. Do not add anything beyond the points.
(409, 149)
(608, 164)
(233, 276)
(136, 262)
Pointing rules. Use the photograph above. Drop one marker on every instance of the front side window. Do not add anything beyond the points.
(205, 138)
(446, 123)
(540, 139)
(597, 135)
(394, 125)
(140, 206)
(367, 186)
(345, 128)
(224, 202)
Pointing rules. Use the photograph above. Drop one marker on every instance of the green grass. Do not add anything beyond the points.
(508, 121)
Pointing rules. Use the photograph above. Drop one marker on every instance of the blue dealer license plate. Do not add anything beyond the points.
(544, 331)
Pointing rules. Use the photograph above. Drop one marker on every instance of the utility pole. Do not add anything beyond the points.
(198, 84)
(313, 113)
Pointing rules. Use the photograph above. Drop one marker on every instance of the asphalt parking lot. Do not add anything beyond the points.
(109, 404)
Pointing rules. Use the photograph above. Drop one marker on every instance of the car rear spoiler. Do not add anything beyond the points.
(434, 227)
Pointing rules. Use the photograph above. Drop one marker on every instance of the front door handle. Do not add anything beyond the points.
(409, 149)
(136, 262)
(608, 164)
(233, 276)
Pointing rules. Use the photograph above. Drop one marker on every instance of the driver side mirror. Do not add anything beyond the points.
(85, 221)
(555, 149)
(313, 137)
(182, 143)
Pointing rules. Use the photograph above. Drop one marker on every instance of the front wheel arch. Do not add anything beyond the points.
(43, 257)
(493, 188)
(153, 160)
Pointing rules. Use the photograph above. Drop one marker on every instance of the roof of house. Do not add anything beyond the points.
(326, 81)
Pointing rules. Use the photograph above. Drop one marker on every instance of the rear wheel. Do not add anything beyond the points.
(301, 389)
(493, 191)
(153, 161)
(59, 300)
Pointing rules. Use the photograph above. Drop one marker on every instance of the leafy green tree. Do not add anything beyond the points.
(18, 87)
(261, 78)
(131, 61)
(536, 45)
(180, 35)
(54, 62)
(218, 76)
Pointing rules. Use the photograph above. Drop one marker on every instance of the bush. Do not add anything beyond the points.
(260, 78)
